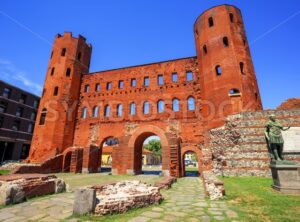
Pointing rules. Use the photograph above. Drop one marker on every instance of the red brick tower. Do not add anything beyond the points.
(228, 80)
(54, 130)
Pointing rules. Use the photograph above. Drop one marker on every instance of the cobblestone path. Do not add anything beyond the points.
(184, 202)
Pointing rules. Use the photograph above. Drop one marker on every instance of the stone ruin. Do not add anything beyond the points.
(16, 188)
(115, 198)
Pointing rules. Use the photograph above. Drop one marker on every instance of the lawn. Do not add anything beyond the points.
(255, 200)
(4, 172)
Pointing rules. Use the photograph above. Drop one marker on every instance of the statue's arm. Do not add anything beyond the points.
(287, 128)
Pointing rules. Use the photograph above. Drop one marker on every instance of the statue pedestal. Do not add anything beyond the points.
(286, 177)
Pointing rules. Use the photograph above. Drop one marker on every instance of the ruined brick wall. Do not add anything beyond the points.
(239, 147)
(292, 103)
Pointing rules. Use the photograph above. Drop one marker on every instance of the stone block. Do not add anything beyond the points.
(85, 201)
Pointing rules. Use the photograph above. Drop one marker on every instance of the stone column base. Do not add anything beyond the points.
(286, 178)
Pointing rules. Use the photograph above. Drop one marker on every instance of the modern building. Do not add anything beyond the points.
(18, 110)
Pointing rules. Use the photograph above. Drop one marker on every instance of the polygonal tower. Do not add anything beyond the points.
(228, 81)
(56, 116)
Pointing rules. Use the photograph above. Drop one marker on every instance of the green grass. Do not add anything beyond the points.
(191, 169)
(254, 200)
(4, 172)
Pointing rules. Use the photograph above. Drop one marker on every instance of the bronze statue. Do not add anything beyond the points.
(274, 137)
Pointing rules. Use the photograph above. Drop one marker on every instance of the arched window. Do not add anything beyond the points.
(160, 106)
(68, 72)
(87, 88)
(84, 113)
(175, 105)
(79, 56)
(107, 111)
(205, 49)
(242, 67)
(146, 107)
(218, 70)
(63, 52)
(231, 17)
(132, 109)
(191, 103)
(43, 116)
(234, 92)
(225, 42)
(95, 111)
(52, 71)
(119, 110)
(55, 92)
(211, 22)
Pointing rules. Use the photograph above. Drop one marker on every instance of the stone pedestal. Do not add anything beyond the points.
(286, 178)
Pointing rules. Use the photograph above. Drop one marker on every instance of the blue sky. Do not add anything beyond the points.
(132, 32)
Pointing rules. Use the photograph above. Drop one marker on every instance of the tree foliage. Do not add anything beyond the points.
(154, 146)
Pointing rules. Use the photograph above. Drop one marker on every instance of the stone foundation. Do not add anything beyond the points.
(17, 188)
(213, 186)
(116, 198)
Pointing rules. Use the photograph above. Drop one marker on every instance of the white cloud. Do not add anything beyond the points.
(12, 75)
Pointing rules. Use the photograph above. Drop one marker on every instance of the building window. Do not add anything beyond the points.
(231, 17)
(218, 70)
(121, 84)
(133, 83)
(30, 128)
(84, 113)
(86, 88)
(191, 103)
(55, 93)
(225, 42)
(175, 105)
(35, 104)
(132, 109)
(23, 98)
(160, 80)
(52, 71)
(63, 52)
(3, 107)
(68, 72)
(6, 93)
(1, 121)
(189, 76)
(43, 116)
(19, 111)
(146, 107)
(51, 55)
(146, 81)
(16, 125)
(32, 116)
(108, 86)
(107, 111)
(174, 77)
(119, 110)
(234, 92)
(95, 111)
(211, 22)
(97, 87)
(205, 49)
(160, 106)
(79, 56)
(242, 67)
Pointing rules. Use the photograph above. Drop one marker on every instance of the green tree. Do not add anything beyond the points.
(154, 146)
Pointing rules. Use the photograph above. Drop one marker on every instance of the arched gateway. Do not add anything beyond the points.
(178, 100)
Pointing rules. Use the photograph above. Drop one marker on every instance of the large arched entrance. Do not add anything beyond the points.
(106, 154)
(135, 147)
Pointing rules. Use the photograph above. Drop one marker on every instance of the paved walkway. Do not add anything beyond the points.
(184, 202)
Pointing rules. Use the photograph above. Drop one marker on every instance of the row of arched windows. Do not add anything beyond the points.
(146, 108)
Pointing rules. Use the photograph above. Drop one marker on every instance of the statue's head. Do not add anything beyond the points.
(272, 117)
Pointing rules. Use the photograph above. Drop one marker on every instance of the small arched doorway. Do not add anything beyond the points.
(152, 156)
(106, 159)
(67, 162)
(190, 164)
